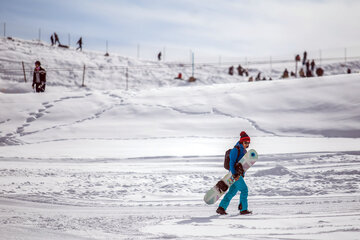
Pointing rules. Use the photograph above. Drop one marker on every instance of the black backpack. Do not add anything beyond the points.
(227, 157)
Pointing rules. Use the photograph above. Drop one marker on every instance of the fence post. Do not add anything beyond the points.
(127, 79)
(270, 66)
(193, 64)
(83, 79)
(23, 67)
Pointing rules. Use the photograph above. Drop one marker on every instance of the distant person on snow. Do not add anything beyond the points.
(309, 73)
(246, 72)
(57, 38)
(80, 44)
(258, 77)
(307, 64)
(240, 70)
(231, 70)
(304, 58)
(52, 40)
(285, 74)
(237, 171)
(179, 76)
(302, 73)
(39, 78)
(159, 56)
(312, 65)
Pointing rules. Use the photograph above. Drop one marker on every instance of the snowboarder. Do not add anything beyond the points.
(159, 56)
(80, 44)
(238, 173)
(39, 78)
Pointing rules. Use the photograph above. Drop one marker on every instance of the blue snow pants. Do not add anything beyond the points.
(239, 185)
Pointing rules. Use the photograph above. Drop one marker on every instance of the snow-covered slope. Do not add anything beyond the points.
(105, 163)
(65, 69)
(320, 114)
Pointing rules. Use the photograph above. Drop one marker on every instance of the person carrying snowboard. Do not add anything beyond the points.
(237, 171)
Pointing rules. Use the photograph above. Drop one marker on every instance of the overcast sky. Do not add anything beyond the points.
(208, 27)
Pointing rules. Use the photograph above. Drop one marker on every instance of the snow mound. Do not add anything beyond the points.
(15, 87)
(278, 170)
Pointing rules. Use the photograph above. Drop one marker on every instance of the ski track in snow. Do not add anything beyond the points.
(13, 138)
(252, 122)
(308, 196)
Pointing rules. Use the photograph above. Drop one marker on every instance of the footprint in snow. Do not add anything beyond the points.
(30, 119)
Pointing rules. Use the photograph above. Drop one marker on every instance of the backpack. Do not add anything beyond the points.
(227, 157)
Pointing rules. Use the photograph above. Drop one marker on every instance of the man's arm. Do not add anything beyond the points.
(233, 155)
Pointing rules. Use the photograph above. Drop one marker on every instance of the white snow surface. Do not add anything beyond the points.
(101, 162)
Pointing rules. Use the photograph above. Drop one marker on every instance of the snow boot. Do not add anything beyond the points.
(221, 211)
(245, 212)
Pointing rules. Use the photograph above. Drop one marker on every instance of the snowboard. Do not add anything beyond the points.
(223, 185)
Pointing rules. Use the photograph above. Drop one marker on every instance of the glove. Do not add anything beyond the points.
(239, 169)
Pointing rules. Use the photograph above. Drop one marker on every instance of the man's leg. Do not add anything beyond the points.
(228, 196)
(241, 186)
(38, 87)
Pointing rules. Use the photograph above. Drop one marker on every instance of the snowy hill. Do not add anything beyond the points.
(65, 69)
(104, 163)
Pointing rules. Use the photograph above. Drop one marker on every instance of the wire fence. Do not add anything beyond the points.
(143, 76)
(195, 65)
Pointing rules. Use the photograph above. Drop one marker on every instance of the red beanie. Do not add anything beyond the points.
(244, 137)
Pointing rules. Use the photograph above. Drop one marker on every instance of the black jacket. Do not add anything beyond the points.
(42, 76)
